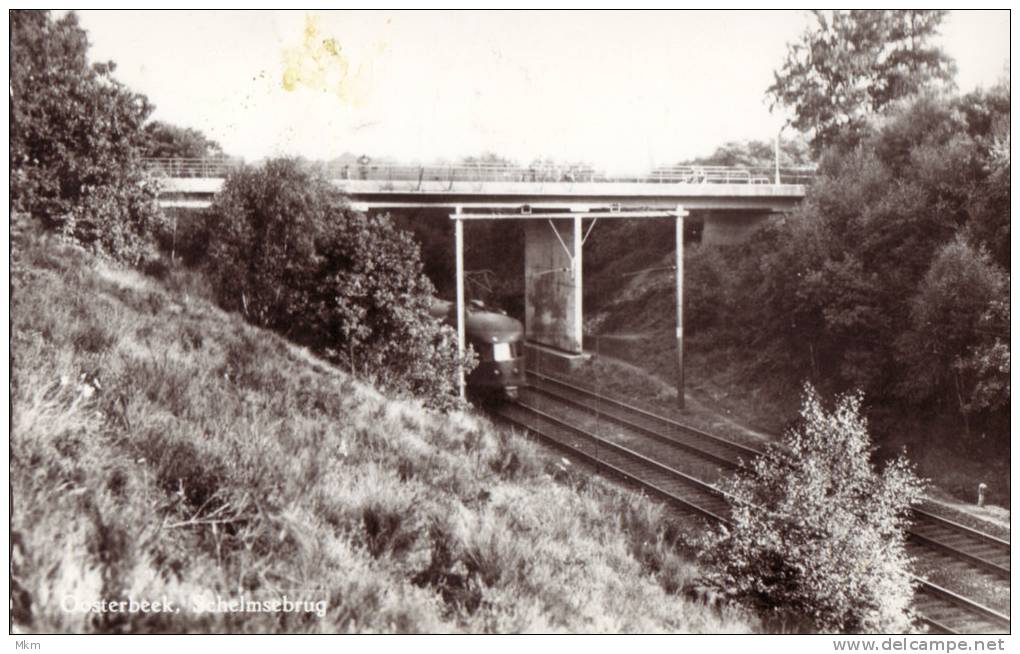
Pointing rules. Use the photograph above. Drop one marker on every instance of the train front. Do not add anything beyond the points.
(498, 340)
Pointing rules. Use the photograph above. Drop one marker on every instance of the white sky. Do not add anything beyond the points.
(620, 90)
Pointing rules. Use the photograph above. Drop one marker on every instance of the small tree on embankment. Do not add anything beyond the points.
(817, 532)
(288, 252)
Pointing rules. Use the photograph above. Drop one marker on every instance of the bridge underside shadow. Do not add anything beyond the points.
(730, 227)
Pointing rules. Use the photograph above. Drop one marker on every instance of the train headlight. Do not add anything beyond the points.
(501, 352)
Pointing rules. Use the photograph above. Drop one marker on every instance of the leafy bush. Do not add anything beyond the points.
(289, 253)
(817, 531)
(76, 141)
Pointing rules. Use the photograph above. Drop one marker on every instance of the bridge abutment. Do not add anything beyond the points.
(730, 228)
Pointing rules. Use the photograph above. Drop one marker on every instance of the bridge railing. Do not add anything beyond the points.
(418, 175)
(730, 175)
(196, 167)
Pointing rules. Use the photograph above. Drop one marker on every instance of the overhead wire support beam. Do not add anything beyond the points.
(564, 214)
(570, 255)
(591, 226)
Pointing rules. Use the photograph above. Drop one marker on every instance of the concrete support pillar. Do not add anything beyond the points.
(553, 315)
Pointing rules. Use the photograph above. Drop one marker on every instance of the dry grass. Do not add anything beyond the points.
(161, 448)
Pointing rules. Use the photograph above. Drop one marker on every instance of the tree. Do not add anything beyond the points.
(166, 140)
(988, 122)
(817, 532)
(291, 255)
(76, 140)
(756, 154)
(987, 366)
(830, 289)
(956, 324)
(854, 63)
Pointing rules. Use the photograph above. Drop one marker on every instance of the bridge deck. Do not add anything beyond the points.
(382, 193)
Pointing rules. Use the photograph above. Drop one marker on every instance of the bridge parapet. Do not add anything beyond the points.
(421, 175)
(184, 168)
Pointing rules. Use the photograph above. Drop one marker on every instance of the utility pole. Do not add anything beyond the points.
(680, 214)
(575, 273)
(459, 237)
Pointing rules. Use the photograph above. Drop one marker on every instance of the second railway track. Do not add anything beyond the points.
(985, 552)
(650, 466)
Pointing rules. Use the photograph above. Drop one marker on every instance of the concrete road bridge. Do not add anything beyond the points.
(553, 203)
(729, 200)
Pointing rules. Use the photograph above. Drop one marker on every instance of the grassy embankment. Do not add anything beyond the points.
(161, 448)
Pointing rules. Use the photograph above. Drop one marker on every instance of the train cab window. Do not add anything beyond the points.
(502, 352)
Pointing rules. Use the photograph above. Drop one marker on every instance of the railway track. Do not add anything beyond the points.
(984, 552)
(652, 464)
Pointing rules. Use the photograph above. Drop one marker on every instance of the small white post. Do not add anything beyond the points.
(459, 231)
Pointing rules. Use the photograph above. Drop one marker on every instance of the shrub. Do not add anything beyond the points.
(706, 291)
(817, 532)
(289, 253)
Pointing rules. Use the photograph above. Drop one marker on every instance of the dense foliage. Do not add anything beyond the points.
(816, 532)
(166, 140)
(290, 254)
(852, 64)
(76, 141)
(793, 151)
(893, 274)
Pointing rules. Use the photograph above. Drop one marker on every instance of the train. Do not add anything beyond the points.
(497, 339)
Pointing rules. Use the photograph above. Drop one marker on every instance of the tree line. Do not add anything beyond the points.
(893, 276)
(889, 283)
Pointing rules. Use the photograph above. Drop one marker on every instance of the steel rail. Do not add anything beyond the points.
(651, 433)
(958, 552)
(745, 450)
(945, 597)
(958, 526)
(962, 602)
(932, 590)
(687, 480)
